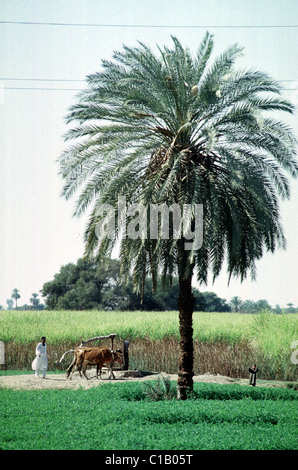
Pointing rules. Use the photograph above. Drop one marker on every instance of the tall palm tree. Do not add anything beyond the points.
(172, 128)
(16, 295)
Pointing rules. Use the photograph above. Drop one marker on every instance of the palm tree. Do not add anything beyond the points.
(249, 306)
(9, 304)
(172, 128)
(290, 308)
(34, 300)
(236, 303)
(15, 295)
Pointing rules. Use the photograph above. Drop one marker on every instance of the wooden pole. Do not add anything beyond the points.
(112, 339)
(125, 355)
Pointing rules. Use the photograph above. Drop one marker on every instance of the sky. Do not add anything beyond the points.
(38, 233)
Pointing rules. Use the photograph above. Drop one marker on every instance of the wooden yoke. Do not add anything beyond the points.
(111, 336)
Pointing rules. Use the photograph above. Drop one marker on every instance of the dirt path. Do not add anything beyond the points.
(59, 381)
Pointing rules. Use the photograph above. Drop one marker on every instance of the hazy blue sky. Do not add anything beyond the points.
(38, 233)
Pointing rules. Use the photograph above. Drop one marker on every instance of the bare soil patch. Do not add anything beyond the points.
(59, 381)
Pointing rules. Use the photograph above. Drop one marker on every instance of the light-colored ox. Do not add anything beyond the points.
(84, 357)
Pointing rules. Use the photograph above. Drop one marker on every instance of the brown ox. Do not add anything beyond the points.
(84, 357)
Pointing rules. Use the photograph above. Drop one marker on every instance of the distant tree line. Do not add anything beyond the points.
(12, 303)
(88, 285)
(249, 306)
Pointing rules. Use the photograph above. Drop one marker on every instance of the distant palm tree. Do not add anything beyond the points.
(249, 306)
(15, 295)
(34, 300)
(9, 304)
(236, 303)
(290, 308)
(173, 128)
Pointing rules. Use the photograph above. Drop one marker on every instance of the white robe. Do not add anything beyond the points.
(41, 360)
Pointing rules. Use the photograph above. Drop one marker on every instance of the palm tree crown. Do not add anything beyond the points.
(174, 128)
(171, 129)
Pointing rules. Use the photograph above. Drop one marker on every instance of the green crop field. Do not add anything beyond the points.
(225, 343)
(272, 332)
(120, 416)
(24, 327)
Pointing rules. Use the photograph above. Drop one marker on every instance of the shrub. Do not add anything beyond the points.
(163, 390)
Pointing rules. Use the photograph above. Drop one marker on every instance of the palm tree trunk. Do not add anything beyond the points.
(186, 307)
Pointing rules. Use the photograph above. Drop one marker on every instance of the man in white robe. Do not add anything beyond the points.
(41, 360)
